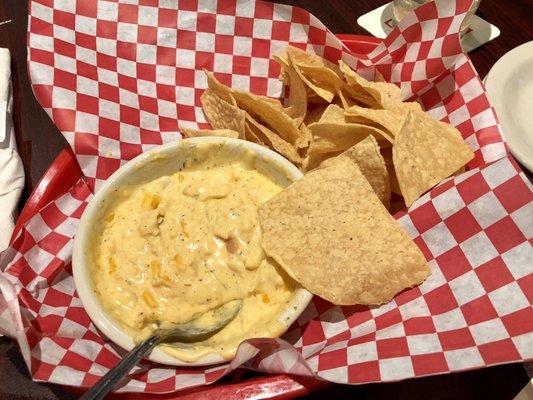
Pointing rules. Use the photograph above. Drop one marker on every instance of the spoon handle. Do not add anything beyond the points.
(109, 380)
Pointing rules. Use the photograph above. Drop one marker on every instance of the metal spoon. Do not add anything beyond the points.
(192, 331)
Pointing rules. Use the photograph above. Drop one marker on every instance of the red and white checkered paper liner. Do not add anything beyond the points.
(118, 79)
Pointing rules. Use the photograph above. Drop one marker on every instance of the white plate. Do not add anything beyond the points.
(509, 86)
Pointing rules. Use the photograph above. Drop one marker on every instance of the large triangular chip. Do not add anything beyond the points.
(425, 152)
(331, 233)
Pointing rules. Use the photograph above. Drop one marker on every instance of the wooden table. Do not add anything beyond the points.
(39, 143)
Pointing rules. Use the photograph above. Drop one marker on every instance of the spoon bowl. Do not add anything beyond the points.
(202, 327)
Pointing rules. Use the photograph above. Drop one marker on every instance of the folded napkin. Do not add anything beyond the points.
(11, 168)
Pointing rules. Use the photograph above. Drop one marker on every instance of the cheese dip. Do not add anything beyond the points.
(175, 247)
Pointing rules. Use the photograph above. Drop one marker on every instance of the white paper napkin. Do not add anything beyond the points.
(379, 22)
(11, 168)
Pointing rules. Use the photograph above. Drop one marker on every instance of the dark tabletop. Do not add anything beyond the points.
(39, 143)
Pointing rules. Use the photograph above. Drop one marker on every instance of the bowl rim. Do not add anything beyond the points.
(80, 268)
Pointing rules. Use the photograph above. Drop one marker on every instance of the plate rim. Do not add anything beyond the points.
(500, 72)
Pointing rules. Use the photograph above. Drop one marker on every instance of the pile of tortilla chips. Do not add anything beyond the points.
(359, 146)
(330, 109)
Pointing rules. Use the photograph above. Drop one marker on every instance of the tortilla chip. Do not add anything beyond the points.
(226, 93)
(317, 73)
(221, 114)
(386, 94)
(357, 95)
(386, 152)
(460, 170)
(270, 115)
(315, 114)
(274, 102)
(425, 152)
(272, 140)
(407, 106)
(346, 99)
(261, 108)
(298, 96)
(314, 160)
(378, 76)
(389, 120)
(326, 94)
(371, 163)
(322, 77)
(374, 94)
(314, 100)
(334, 114)
(211, 132)
(219, 89)
(251, 135)
(303, 58)
(305, 138)
(331, 233)
(329, 137)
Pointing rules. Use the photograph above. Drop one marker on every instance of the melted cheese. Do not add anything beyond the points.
(180, 245)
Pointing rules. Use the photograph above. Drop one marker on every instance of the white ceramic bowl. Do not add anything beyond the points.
(160, 161)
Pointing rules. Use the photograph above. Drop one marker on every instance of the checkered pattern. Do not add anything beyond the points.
(119, 78)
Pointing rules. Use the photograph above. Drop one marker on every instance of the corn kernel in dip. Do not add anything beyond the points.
(178, 246)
